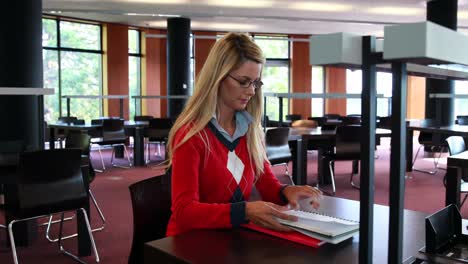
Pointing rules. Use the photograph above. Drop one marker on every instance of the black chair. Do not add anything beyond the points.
(9, 158)
(113, 134)
(151, 204)
(81, 141)
(157, 132)
(277, 148)
(293, 117)
(47, 182)
(462, 120)
(433, 141)
(385, 122)
(60, 133)
(143, 118)
(347, 147)
(332, 116)
(350, 120)
(456, 145)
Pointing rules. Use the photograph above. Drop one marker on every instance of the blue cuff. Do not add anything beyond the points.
(281, 194)
(238, 214)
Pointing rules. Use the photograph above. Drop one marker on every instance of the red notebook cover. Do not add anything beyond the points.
(292, 236)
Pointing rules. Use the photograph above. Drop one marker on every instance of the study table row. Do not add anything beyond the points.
(246, 246)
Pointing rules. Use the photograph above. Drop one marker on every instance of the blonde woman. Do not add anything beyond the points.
(216, 149)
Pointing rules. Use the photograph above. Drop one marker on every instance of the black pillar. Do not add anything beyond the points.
(444, 13)
(178, 63)
(21, 66)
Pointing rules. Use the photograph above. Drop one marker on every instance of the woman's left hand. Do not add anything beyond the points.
(296, 192)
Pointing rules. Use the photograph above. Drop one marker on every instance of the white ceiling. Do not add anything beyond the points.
(365, 17)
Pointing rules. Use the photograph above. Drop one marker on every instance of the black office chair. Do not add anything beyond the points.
(157, 132)
(81, 141)
(347, 147)
(350, 120)
(435, 142)
(332, 116)
(143, 118)
(462, 120)
(151, 204)
(385, 122)
(47, 182)
(113, 134)
(456, 145)
(277, 148)
(9, 158)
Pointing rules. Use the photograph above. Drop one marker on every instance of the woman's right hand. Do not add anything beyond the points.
(262, 213)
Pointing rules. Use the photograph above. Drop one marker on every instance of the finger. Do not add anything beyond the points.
(284, 216)
(315, 204)
(277, 207)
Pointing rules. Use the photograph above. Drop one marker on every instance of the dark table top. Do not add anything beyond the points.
(246, 246)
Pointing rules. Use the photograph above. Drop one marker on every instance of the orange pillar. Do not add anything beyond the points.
(155, 73)
(301, 76)
(202, 49)
(335, 83)
(116, 62)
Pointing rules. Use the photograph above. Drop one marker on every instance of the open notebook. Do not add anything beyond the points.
(322, 227)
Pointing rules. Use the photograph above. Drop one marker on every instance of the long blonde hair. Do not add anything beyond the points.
(227, 54)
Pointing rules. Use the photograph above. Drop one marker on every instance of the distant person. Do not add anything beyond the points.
(216, 148)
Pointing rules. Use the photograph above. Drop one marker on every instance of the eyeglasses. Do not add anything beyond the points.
(257, 84)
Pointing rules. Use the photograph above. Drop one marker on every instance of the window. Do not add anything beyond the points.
(384, 92)
(134, 71)
(318, 87)
(276, 72)
(72, 60)
(461, 104)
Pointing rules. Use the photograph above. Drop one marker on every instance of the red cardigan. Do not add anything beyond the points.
(204, 192)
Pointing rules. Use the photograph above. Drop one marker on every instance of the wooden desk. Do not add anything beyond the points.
(322, 140)
(454, 130)
(133, 128)
(246, 246)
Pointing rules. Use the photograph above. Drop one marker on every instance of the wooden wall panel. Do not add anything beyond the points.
(202, 49)
(335, 83)
(301, 76)
(117, 67)
(155, 76)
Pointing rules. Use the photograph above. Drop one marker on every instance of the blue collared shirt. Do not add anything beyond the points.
(243, 120)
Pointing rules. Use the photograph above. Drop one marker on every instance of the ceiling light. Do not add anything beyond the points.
(320, 6)
(152, 15)
(396, 11)
(240, 3)
(166, 2)
(223, 26)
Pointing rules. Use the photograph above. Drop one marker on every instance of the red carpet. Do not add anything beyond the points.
(424, 192)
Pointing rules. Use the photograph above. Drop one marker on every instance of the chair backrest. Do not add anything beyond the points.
(385, 122)
(113, 129)
(332, 116)
(67, 119)
(348, 142)
(276, 145)
(319, 119)
(462, 120)
(9, 152)
(143, 118)
(158, 128)
(456, 144)
(293, 117)
(151, 204)
(350, 120)
(48, 181)
(83, 142)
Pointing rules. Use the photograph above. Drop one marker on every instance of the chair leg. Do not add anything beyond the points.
(464, 199)
(352, 182)
(12, 242)
(93, 244)
(421, 170)
(332, 174)
(97, 229)
(287, 174)
(102, 159)
(126, 153)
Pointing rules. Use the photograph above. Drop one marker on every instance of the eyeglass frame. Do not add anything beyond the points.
(254, 82)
